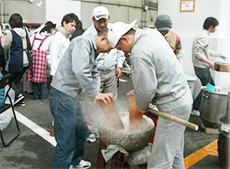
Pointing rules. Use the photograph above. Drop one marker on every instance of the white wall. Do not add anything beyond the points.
(56, 9)
(29, 11)
(120, 12)
(188, 24)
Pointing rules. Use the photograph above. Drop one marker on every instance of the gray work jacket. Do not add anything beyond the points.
(156, 73)
(77, 69)
(107, 61)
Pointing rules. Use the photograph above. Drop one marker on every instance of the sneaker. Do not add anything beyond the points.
(19, 100)
(195, 113)
(82, 165)
(21, 103)
(92, 137)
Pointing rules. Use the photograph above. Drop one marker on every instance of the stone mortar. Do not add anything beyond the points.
(130, 140)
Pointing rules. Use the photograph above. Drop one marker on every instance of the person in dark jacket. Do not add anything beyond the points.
(16, 42)
(79, 30)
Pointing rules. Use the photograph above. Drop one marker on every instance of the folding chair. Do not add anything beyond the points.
(4, 81)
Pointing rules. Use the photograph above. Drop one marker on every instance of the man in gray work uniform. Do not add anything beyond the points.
(75, 77)
(109, 67)
(157, 78)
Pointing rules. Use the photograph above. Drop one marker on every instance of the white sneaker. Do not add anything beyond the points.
(82, 165)
(195, 113)
(92, 137)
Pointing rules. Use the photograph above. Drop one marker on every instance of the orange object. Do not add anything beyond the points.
(135, 115)
(154, 119)
(112, 115)
(222, 66)
(52, 130)
(192, 159)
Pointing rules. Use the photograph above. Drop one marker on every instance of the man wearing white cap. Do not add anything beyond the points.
(158, 79)
(109, 66)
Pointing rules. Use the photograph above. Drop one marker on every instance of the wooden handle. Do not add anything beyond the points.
(175, 119)
(135, 115)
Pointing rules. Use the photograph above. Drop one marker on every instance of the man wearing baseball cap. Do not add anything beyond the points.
(158, 79)
(163, 24)
(100, 12)
(109, 67)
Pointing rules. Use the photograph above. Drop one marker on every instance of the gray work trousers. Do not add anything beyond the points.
(92, 111)
(168, 147)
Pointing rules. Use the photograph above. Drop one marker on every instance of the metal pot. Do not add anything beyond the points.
(226, 117)
(213, 105)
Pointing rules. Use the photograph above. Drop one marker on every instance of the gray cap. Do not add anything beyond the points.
(163, 23)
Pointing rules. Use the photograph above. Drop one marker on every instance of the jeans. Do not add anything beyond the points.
(70, 129)
(40, 90)
(205, 77)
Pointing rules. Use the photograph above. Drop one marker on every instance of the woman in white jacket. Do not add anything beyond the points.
(38, 61)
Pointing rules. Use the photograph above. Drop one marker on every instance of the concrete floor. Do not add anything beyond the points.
(31, 151)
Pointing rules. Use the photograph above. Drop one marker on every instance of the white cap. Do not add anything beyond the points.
(118, 29)
(100, 12)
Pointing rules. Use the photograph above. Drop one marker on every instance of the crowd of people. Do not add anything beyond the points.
(84, 67)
